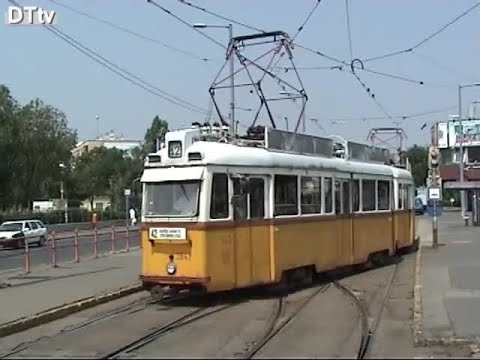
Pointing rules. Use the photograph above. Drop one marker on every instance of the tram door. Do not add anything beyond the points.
(344, 221)
(251, 235)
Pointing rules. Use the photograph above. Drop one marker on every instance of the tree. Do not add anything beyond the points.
(8, 106)
(43, 140)
(158, 129)
(34, 139)
(102, 172)
(418, 158)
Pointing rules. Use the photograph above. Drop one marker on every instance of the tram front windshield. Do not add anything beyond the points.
(171, 199)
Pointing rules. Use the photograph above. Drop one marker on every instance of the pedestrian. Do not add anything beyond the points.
(133, 219)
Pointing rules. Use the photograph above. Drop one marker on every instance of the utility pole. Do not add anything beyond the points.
(232, 81)
(434, 190)
(62, 191)
(462, 170)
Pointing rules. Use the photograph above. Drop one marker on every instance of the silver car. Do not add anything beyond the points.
(16, 233)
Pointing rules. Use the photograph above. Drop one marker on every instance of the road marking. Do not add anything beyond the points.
(461, 242)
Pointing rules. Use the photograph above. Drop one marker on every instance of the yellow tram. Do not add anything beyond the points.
(220, 215)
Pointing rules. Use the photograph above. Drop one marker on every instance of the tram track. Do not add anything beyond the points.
(368, 331)
(275, 324)
(156, 333)
(124, 310)
(280, 311)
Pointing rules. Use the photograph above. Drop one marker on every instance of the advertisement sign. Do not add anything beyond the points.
(442, 135)
(471, 133)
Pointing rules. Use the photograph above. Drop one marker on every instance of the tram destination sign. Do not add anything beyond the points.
(167, 234)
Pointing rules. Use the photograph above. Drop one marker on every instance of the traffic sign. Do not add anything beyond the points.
(434, 208)
(127, 192)
(435, 193)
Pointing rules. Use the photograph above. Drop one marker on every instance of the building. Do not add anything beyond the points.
(447, 136)
(108, 141)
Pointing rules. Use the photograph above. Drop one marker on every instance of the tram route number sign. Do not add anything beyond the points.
(167, 234)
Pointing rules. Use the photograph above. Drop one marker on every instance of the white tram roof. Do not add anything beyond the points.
(229, 155)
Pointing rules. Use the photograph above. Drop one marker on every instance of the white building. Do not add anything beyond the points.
(108, 141)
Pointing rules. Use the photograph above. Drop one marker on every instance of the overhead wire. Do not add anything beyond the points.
(306, 20)
(426, 39)
(362, 68)
(118, 70)
(185, 23)
(439, 65)
(130, 32)
(405, 117)
(371, 95)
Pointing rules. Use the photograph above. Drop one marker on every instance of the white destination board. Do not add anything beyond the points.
(168, 234)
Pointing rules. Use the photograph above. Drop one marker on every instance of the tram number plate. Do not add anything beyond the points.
(168, 233)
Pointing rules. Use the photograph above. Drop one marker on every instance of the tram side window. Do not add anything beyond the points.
(219, 201)
(407, 196)
(368, 195)
(346, 196)
(383, 195)
(311, 195)
(328, 183)
(400, 196)
(257, 198)
(338, 197)
(356, 195)
(286, 195)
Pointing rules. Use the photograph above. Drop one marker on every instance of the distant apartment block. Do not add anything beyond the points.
(108, 141)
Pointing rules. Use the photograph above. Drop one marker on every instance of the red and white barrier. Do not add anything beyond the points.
(113, 239)
(54, 252)
(127, 241)
(95, 243)
(75, 245)
(27, 258)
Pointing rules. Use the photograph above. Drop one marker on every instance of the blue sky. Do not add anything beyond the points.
(35, 63)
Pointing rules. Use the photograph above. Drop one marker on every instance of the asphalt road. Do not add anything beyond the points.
(65, 250)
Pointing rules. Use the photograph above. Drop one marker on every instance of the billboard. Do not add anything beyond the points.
(471, 133)
(442, 135)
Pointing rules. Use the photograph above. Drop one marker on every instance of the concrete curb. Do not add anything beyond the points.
(419, 337)
(417, 301)
(58, 312)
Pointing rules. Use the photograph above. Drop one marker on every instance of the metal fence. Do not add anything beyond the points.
(73, 246)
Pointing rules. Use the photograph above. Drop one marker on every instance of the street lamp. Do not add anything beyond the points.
(62, 191)
(232, 68)
(286, 93)
(462, 192)
(98, 125)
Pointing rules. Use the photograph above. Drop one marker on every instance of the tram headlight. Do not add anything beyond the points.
(171, 268)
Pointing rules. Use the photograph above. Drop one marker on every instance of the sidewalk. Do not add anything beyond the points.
(449, 282)
(22, 296)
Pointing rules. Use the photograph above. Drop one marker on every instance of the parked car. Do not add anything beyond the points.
(16, 233)
(419, 208)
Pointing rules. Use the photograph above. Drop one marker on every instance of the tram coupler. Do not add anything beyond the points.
(162, 292)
